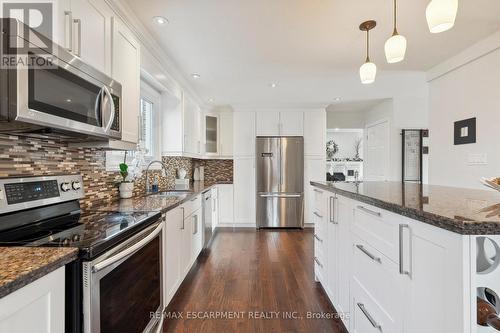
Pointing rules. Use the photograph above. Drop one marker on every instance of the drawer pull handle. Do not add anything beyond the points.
(368, 316)
(371, 256)
(402, 270)
(317, 261)
(318, 191)
(319, 239)
(320, 216)
(194, 199)
(369, 211)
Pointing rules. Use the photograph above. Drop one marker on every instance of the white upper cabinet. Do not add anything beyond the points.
(126, 70)
(315, 133)
(226, 134)
(244, 134)
(292, 123)
(268, 123)
(91, 30)
(192, 129)
(212, 135)
(274, 123)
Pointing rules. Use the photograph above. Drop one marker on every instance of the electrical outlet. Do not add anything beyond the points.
(477, 159)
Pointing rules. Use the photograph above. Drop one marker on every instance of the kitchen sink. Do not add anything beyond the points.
(175, 194)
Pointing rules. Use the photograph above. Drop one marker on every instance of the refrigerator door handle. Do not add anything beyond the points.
(281, 165)
(279, 195)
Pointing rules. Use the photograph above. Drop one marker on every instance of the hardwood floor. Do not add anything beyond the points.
(258, 278)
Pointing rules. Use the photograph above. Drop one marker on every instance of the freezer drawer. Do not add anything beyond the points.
(280, 210)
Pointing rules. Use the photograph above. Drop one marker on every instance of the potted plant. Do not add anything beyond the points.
(126, 186)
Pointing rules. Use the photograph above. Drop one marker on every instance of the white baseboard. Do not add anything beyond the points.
(308, 225)
(236, 225)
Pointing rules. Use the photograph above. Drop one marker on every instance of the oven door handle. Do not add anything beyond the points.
(128, 251)
(112, 106)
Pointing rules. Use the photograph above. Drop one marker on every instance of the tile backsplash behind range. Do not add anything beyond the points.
(21, 156)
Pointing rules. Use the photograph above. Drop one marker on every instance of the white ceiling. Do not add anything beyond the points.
(354, 106)
(312, 48)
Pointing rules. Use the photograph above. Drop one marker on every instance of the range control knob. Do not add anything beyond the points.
(65, 187)
(76, 185)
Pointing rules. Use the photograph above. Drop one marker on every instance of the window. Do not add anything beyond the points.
(149, 134)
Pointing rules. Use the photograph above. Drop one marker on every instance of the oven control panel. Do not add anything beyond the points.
(32, 192)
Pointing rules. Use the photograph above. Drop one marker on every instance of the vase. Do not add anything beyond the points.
(126, 190)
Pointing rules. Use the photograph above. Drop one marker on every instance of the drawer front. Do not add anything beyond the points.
(367, 316)
(192, 205)
(380, 277)
(319, 201)
(379, 228)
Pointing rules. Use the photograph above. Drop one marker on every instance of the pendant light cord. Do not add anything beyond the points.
(395, 32)
(368, 45)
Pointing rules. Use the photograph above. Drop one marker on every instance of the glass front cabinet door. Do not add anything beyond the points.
(211, 135)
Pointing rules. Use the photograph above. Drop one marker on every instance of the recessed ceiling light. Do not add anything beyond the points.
(160, 20)
(273, 85)
(68, 100)
(210, 100)
(337, 99)
(195, 76)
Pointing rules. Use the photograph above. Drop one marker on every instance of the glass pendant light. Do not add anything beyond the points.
(395, 47)
(368, 70)
(441, 15)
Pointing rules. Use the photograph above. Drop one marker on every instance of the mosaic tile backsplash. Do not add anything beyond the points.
(21, 156)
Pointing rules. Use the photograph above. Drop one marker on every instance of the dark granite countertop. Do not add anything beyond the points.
(19, 266)
(464, 211)
(153, 202)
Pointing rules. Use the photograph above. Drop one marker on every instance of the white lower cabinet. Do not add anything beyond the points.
(244, 191)
(387, 273)
(225, 204)
(37, 307)
(173, 223)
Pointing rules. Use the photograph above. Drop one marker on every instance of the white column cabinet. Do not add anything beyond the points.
(37, 307)
(244, 134)
(225, 204)
(284, 123)
(268, 123)
(244, 191)
(292, 123)
(315, 133)
(226, 134)
(173, 223)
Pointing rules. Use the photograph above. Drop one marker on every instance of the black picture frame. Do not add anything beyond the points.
(467, 126)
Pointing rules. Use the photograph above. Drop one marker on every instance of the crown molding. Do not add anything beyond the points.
(170, 68)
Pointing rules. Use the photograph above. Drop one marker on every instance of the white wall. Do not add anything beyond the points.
(336, 119)
(471, 90)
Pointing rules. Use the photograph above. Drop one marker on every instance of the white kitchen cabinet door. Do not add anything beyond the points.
(92, 33)
(332, 248)
(211, 132)
(37, 307)
(63, 24)
(344, 208)
(314, 169)
(244, 134)
(268, 123)
(315, 133)
(292, 123)
(244, 191)
(215, 207)
(192, 128)
(184, 249)
(126, 70)
(196, 220)
(436, 277)
(226, 134)
(173, 223)
(225, 204)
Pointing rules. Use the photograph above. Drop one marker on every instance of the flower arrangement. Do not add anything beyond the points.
(332, 148)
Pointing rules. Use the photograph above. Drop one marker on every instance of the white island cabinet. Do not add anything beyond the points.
(384, 272)
(37, 307)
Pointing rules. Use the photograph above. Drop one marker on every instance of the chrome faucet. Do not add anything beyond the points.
(148, 188)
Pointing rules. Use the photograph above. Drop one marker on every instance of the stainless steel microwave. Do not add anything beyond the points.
(69, 97)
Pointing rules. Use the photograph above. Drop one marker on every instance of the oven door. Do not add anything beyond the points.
(68, 95)
(123, 289)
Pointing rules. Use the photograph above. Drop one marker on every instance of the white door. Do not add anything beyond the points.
(315, 133)
(292, 123)
(92, 33)
(244, 191)
(268, 123)
(244, 134)
(377, 151)
(126, 70)
(173, 223)
(226, 134)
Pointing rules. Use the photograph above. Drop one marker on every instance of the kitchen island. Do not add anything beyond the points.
(403, 257)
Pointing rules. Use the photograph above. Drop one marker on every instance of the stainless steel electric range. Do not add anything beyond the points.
(116, 284)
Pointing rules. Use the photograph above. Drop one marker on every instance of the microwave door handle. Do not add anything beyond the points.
(112, 106)
(128, 251)
(97, 107)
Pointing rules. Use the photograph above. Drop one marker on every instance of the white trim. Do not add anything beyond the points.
(476, 51)
(237, 225)
(344, 130)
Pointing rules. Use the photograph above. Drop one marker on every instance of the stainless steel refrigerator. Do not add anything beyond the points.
(280, 182)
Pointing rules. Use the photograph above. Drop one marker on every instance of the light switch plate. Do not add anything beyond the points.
(477, 159)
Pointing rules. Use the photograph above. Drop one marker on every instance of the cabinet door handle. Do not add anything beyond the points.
(194, 199)
(318, 191)
(183, 217)
(332, 210)
(195, 224)
(68, 30)
(78, 49)
(317, 214)
(369, 211)
(318, 262)
(368, 316)
(319, 239)
(370, 255)
(402, 270)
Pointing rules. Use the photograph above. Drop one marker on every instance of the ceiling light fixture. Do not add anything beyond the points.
(441, 15)
(395, 47)
(337, 99)
(195, 76)
(273, 85)
(160, 20)
(368, 70)
(210, 100)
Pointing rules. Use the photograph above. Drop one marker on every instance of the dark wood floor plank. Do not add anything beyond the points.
(254, 273)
